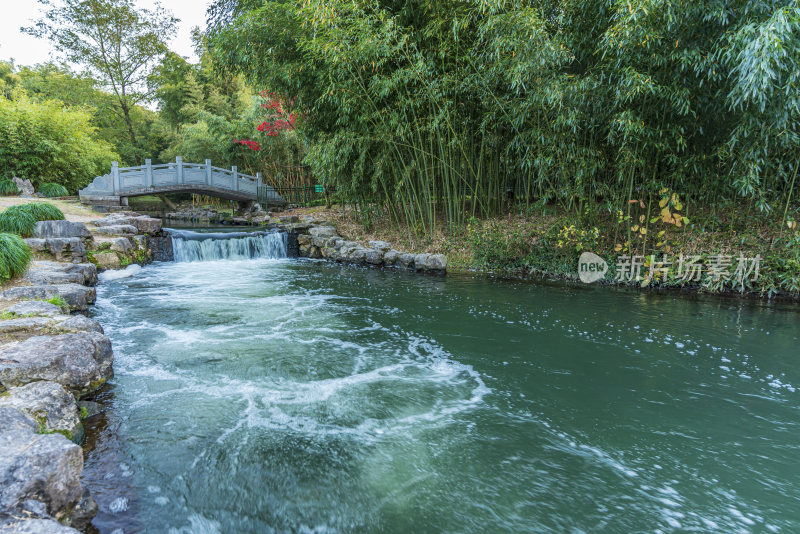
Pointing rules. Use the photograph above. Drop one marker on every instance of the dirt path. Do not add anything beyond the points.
(73, 210)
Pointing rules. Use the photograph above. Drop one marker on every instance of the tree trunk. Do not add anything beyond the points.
(131, 133)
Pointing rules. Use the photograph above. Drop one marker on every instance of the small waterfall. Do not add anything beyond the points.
(198, 246)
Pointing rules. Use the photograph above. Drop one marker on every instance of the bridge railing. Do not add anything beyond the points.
(141, 179)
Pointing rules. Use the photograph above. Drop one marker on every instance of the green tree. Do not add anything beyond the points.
(48, 142)
(118, 44)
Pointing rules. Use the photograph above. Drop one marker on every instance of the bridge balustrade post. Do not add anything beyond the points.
(208, 172)
(235, 170)
(148, 173)
(179, 165)
(115, 176)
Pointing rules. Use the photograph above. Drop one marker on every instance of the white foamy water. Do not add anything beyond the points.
(193, 246)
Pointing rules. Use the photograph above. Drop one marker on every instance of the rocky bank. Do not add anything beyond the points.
(52, 360)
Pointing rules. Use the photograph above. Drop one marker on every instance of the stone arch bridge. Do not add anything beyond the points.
(115, 188)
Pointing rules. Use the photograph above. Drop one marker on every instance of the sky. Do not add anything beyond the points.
(28, 50)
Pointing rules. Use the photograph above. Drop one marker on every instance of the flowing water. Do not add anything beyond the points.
(270, 395)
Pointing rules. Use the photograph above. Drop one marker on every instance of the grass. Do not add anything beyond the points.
(51, 190)
(7, 187)
(59, 301)
(15, 255)
(21, 219)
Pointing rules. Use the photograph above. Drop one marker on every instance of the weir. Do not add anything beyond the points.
(189, 246)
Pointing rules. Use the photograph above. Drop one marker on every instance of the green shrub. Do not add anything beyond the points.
(55, 143)
(51, 190)
(18, 220)
(7, 187)
(22, 219)
(15, 256)
(42, 211)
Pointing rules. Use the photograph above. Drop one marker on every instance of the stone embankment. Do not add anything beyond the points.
(53, 360)
(319, 239)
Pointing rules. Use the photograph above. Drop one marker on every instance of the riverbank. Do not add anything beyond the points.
(548, 244)
(54, 361)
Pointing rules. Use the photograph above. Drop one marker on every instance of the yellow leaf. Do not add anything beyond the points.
(641, 218)
(678, 206)
(663, 203)
(668, 248)
(635, 227)
(643, 230)
(617, 248)
(662, 232)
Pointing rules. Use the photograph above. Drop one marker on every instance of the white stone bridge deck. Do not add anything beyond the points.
(113, 189)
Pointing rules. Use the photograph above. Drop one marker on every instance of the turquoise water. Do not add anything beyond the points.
(298, 396)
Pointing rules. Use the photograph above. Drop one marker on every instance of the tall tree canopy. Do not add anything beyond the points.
(451, 106)
(115, 41)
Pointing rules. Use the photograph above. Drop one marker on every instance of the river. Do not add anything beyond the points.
(275, 395)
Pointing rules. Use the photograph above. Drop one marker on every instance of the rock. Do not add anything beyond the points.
(80, 323)
(121, 229)
(322, 231)
(63, 248)
(77, 296)
(61, 229)
(26, 189)
(319, 241)
(49, 325)
(289, 219)
(147, 225)
(315, 253)
(50, 272)
(405, 260)
(304, 239)
(38, 467)
(356, 255)
(421, 261)
(437, 262)
(48, 403)
(82, 361)
(92, 408)
(107, 260)
(34, 526)
(81, 515)
(391, 257)
(35, 308)
(383, 246)
(121, 244)
(374, 257)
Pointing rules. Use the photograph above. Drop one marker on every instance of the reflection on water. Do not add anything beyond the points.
(296, 396)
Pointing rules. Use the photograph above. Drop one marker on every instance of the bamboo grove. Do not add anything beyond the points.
(442, 110)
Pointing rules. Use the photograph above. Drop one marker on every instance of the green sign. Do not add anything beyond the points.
(318, 189)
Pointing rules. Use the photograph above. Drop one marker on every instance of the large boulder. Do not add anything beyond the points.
(141, 224)
(27, 525)
(405, 260)
(374, 257)
(37, 467)
(122, 244)
(50, 404)
(391, 256)
(322, 231)
(62, 248)
(61, 229)
(119, 229)
(26, 189)
(24, 327)
(380, 245)
(51, 272)
(107, 260)
(435, 262)
(82, 361)
(77, 296)
(28, 308)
